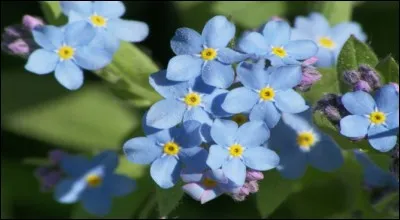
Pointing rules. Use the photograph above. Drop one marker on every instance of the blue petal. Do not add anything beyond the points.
(168, 88)
(319, 25)
(194, 190)
(293, 163)
(218, 31)
(354, 126)
(49, 37)
(260, 158)
(301, 49)
(252, 76)
(82, 7)
(79, 33)
(69, 191)
(341, 32)
(240, 100)
(107, 158)
(194, 158)
(198, 85)
(276, 33)
(92, 58)
(387, 99)
(213, 103)
(190, 176)
(205, 132)
(300, 34)
(186, 41)
(74, 165)
(252, 134)
(381, 138)
(197, 114)
(325, 58)
(217, 74)
(106, 40)
(266, 112)
(298, 122)
(141, 150)
(188, 135)
(358, 103)
(210, 194)
(285, 77)
(217, 175)
(165, 114)
(131, 31)
(223, 132)
(235, 170)
(118, 185)
(253, 43)
(164, 135)
(42, 62)
(392, 120)
(229, 56)
(326, 155)
(96, 202)
(74, 16)
(216, 157)
(69, 75)
(165, 171)
(109, 9)
(184, 67)
(289, 101)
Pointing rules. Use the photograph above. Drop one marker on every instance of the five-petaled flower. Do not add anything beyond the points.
(299, 143)
(104, 16)
(273, 43)
(377, 117)
(92, 182)
(238, 147)
(206, 54)
(66, 52)
(266, 93)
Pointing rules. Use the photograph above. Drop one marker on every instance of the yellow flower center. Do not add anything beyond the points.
(236, 150)
(279, 51)
(94, 180)
(326, 42)
(209, 183)
(306, 139)
(377, 117)
(98, 21)
(240, 119)
(267, 93)
(208, 54)
(192, 99)
(171, 148)
(66, 52)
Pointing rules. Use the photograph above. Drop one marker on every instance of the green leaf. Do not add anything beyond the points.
(387, 202)
(389, 70)
(335, 11)
(353, 54)
(274, 190)
(52, 12)
(168, 199)
(87, 119)
(128, 75)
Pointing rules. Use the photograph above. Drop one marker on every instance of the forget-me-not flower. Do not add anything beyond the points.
(207, 185)
(206, 54)
(273, 43)
(167, 151)
(239, 147)
(377, 117)
(184, 101)
(330, 41)
(92, 182)
(299, 143)
(266, 93)
(104, 16)
(66, 52)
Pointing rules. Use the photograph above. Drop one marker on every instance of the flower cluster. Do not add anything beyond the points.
(87, 42)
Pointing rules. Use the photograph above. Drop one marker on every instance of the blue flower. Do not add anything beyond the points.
(329, 40)
(299, 143)
(266, 93)
(184, 101)
(274, 44)
(92, 182)
(104, 16)
(66, 52)
(375, 176)
(206, 54)
(167, 150)
(207, 185)
(377, 117)
(239, 147)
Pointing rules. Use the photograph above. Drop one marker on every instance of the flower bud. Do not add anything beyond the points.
(363, 86)
(253, 186)
(351, 77)
(253, 175)
(310, 61)
(310, 76)
(55, 156)
(50, 180)
(396, 86)
(238, 197)
(370, 76)
(31, 22)
(244, 190)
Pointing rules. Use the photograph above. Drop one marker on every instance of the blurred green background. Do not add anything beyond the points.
(38, 114)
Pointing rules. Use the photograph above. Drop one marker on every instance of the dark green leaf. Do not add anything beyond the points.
(168, 199)
(52, 12)
(389, 69)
